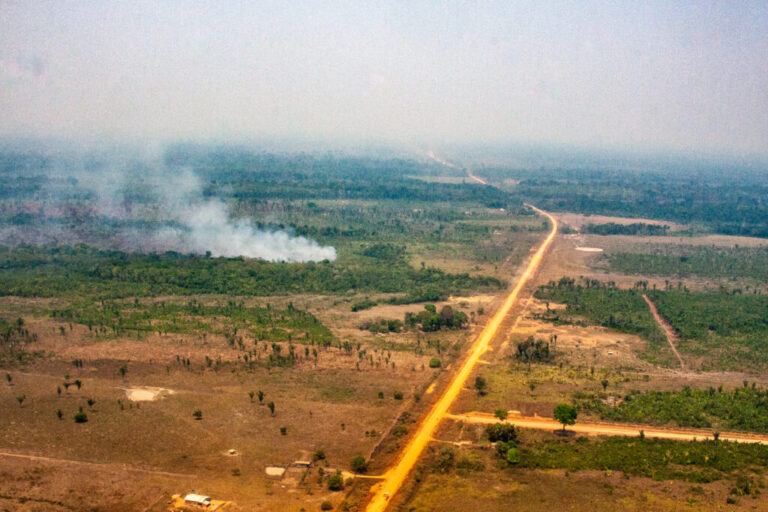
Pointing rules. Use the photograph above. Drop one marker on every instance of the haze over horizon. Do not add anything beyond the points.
(656, 76)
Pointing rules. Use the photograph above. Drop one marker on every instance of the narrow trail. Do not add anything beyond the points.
(610, 429)
(116, 466)
(394, 478)
(668, 330)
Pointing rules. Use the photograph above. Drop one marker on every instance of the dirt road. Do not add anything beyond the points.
(479, 180)
(668, 330)
(610, 429)
(116, 466)
(394, 478)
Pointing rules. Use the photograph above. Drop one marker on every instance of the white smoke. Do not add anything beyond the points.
(192, 223)
(209, 229)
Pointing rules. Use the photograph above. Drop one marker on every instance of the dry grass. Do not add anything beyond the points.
(326, 403)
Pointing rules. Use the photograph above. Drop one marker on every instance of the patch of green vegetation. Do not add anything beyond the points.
(363, 305)
(660, 459)
(14, 337)
(729, 330)
(534, 351)
(635, 229)
(382, 325)
(601, 304)
(428, 320)
(685, 260)
(107, 318)
(744, 409)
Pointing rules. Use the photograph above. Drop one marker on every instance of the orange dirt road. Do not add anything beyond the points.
(610, 429)
(394, 478)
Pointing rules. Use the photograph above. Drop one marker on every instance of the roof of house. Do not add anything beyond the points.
(197, 498)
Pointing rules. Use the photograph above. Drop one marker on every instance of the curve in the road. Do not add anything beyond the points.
(394, 478)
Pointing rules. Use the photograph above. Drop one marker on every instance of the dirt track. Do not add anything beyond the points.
(610, 429)
(70, 462)
(668, 330)
(394, 478)
(479, 180)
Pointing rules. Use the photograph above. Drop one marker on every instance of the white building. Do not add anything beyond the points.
(197, 500)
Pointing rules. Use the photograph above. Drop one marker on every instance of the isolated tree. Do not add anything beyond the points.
(8, 378)
(283, 430)
(260, 394)
(604, 382)
(123, 371)
(566, 414)
(66, 386)
(250, 395)
(81, 417)
(78, 383)
(21, 399)
(90, 402)
(58, 390)
(480, 385)
(358, 464)
(59, 414)
(501, 414)
(271, 406)
(335, 482)
(198, 414)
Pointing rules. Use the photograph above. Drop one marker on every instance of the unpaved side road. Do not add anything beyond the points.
(610, 429)
(668, 330)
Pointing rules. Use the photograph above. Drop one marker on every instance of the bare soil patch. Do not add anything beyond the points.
(146, 394)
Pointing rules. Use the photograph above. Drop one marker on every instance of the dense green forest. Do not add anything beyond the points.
(724, 200)
(744, 409)
(688, 260)
(85, 271)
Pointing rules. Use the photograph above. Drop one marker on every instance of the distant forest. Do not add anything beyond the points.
(721, 200)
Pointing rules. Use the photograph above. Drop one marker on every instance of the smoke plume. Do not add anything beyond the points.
(140, 205)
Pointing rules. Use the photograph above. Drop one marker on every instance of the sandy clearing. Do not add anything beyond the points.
(146, 393)
(589, 249)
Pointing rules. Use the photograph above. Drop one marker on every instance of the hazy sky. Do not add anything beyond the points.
(677, 75)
